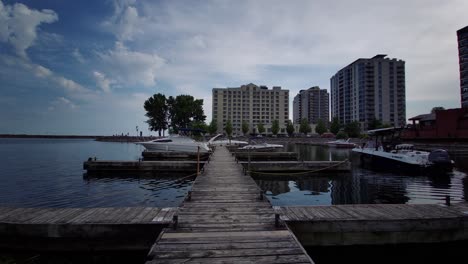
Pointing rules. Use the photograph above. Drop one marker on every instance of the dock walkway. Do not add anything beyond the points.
(225, 221)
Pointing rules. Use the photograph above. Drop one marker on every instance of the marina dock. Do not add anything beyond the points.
(226, 219)
(136, 166)
(296, 166)
(75, 229)
(376, 224)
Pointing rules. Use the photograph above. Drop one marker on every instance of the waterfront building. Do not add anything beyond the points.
(462, 35)
(368, 89)
(312, 104)
(251, 104)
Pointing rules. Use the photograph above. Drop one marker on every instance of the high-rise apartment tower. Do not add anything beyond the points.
(462, 35)
(312, 104)
(251, 104)
(369, 89)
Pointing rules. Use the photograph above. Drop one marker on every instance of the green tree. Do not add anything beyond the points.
(183, 110)
(374, 124)
(275, 127)
(341, 135)
(200, 126)
(305, 127)
(320, 128)
(228, 129)
(156, 110)
(245, 127)
(353, 129)
(213, 127)
(335, 125)
(290, 128)
(261, 128)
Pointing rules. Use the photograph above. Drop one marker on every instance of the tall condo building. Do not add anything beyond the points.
(252, 104)
(369, 89)
(312, 104)
(462, 35)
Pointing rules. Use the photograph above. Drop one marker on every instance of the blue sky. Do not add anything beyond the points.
(86, 67)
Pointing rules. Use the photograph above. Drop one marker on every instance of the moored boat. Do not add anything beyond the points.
(341, 143)
(176, 144)
(381, 154)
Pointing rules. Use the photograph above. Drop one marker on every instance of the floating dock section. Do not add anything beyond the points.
(174, 156)
(82, 229)
(136, 166)
(265, 156)
(296, 166)
(376, 224)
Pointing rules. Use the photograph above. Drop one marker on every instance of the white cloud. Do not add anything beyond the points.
(41, 71)
(129, 67)
(18, 25)
(62, 103)
(78, 56)
(125, 22)
(102, 81)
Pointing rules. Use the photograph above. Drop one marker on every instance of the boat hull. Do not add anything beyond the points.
(381, 163)
(165, 147)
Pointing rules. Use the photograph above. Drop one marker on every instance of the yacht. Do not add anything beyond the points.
(387, 154)
(222, 142)
(262, 147)
(175, 143)
(341, 143)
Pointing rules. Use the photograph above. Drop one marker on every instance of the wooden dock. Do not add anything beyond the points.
(376, 224)
(225, 221)
(296, 166)
(265, 156)
(173, 156)
(82, 229)
(141, 166)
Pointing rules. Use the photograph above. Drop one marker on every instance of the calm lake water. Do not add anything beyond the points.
(361, 186)
(49, 173)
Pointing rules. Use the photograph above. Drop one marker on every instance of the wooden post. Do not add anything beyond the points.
(189, 196)
(175, 221)
(447, 200)
(198, 160)
(248, 155)
(277, 218)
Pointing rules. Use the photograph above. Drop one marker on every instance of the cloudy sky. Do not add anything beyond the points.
(86, 67)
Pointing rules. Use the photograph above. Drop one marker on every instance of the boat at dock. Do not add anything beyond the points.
(340, 143)
(385, 152)
(223, 142)
(262, 147)
(177, 144)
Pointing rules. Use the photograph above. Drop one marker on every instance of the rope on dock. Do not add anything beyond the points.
(299, 173)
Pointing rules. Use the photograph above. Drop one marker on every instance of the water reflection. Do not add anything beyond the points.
(361, 186)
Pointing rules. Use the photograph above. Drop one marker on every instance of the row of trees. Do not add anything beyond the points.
(182, 111)
(275, 128)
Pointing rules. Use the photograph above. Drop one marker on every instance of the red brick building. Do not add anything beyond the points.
(443, 124)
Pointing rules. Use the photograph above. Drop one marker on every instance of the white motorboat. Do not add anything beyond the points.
(223, 142)
(402, 157)
(175, 143)
(341, 143)
(262, 147)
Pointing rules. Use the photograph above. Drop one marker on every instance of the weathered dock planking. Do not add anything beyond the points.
(374, 224)
(265, 156)
(155, 166)
(225, 221)
(78, 229)
(297, 166)
(174, 156)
